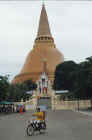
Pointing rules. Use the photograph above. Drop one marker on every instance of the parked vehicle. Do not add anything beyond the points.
(6, 107)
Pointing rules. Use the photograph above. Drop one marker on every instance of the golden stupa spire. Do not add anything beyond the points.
(44, 57)
(44, 29)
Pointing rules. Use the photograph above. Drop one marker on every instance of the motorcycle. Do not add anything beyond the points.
(34, 126)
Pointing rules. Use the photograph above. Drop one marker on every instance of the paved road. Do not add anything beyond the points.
(62, 125)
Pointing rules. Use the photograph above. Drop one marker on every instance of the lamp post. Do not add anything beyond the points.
(54, 103)
(79, 90)
(78, 104)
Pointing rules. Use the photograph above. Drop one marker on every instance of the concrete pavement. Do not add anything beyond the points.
(62, 125)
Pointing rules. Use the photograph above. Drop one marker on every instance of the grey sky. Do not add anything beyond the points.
(71, 27)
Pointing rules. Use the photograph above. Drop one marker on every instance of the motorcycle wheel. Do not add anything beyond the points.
(44, 125)
(30, 130)
(43, 128)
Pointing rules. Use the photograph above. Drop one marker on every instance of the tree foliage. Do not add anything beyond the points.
(4, 87)
(77, 78)
(64, 72)
(15, 92)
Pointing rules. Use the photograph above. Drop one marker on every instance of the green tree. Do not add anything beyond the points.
(4, 86)
(30, 85)
(18, 91)
(65, 75)
(77, 78)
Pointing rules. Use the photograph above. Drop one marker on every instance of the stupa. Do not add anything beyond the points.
(43, 49)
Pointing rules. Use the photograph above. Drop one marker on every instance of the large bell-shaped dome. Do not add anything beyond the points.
(44, 48)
